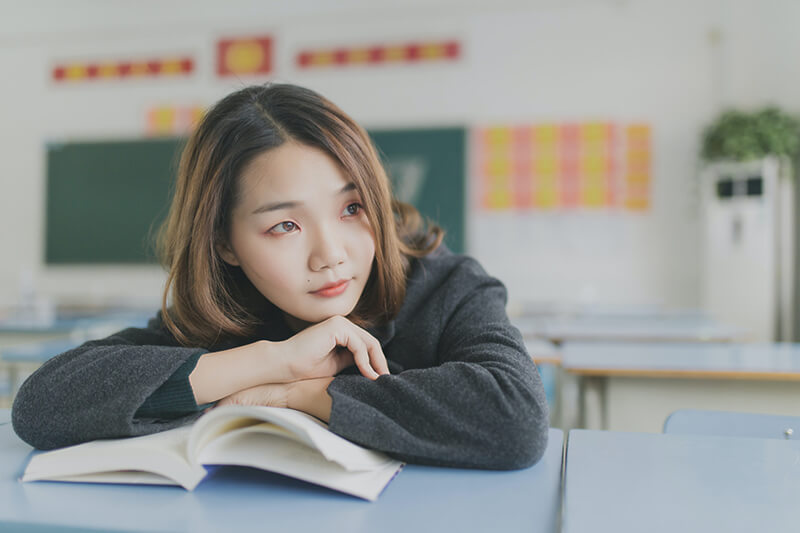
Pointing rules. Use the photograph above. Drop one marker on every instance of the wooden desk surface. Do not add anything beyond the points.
(634, 482)
(543, 351)
(763, 361)
(230, 499)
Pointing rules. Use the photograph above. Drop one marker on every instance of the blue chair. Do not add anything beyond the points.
(730, 424)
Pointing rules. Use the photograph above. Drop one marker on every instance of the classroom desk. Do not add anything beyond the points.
(566, 309)
(646, 327)
(635, 386)
(238, 499)
(547, 357)
(634, 482)
(16, 331)
(20, 360)
(627, 329)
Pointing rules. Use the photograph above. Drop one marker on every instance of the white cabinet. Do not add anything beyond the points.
(748, 246)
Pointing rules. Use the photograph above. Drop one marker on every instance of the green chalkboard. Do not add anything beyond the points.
(427, 168)
(106, 199)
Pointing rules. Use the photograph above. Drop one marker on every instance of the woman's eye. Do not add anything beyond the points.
(353, 209)
(283, 227)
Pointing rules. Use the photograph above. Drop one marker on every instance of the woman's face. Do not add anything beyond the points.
(300, 234)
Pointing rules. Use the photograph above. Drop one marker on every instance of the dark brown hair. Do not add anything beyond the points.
(212, 300)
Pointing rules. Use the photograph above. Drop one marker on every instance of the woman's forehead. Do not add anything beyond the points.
(286, 178)
(292, 167)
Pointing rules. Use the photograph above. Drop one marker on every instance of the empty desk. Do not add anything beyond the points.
(634, 482)
(732, 424)
(627, 329)
(635, 386)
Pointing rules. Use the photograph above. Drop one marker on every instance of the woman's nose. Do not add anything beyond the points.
(327, 252)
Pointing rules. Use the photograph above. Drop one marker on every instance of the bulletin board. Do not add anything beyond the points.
(106, 199)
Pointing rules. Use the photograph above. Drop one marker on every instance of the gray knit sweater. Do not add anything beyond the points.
(462, 391)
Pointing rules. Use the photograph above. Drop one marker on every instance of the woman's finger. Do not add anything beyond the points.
(377, 357)
(360, 354)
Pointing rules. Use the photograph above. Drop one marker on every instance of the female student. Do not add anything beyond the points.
(296, 281)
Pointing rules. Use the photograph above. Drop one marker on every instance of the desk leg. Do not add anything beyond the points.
(557, 418)
(592, 401)
(581, 402)
(13, 381)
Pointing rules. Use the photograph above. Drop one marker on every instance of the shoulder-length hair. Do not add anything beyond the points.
(213, 301)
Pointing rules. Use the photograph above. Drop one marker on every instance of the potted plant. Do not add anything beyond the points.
(740, 136)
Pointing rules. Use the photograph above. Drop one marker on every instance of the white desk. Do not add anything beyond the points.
(239, 499)
(732, 424)
(647, 327)
(627, 329)
(635, 386)
(635, 482)
(556, 309)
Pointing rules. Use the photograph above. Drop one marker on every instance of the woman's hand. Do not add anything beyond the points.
(324, 349)
(320, 351)
(271, 394)
(309, 395)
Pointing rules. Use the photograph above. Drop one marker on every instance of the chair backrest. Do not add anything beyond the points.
(730, 424)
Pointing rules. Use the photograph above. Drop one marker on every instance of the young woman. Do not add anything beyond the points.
(296, 281)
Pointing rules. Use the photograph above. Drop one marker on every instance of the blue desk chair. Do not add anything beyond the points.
(729, 424)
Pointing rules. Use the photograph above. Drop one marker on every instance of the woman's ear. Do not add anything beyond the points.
(227, 254)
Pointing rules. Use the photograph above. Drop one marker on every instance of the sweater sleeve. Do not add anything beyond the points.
(175, 397)
(95, 390)
(482, 406)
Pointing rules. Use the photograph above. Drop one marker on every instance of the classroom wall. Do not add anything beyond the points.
(673, 65)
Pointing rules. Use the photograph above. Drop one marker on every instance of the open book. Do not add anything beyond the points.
(285, 441)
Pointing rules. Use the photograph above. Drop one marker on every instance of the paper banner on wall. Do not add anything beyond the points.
(172, 120)
(244, 56)
(563, 166)
(83, 71)
(415, 52)
(636, 183)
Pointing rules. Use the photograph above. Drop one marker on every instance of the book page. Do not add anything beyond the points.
(163, 454)
(293, 424)
(252, 447)
(130, 477)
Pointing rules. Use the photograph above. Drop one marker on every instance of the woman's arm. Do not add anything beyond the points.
(482, 405)
(94, 390)
(134, 383)
(320, 351)
(220, 374)
(307, 395)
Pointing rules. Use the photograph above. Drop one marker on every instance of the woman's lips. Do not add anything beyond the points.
(333, 289)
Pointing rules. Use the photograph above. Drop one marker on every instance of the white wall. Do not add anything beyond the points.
(533, 61)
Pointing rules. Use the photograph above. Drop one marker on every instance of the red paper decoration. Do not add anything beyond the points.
(380, 54)
(108, 70)
(244, 56)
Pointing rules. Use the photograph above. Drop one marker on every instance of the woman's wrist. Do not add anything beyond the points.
(311, 396)
(270, 359)
(219, 374)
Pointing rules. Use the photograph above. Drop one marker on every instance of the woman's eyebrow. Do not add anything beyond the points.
(275, 206)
